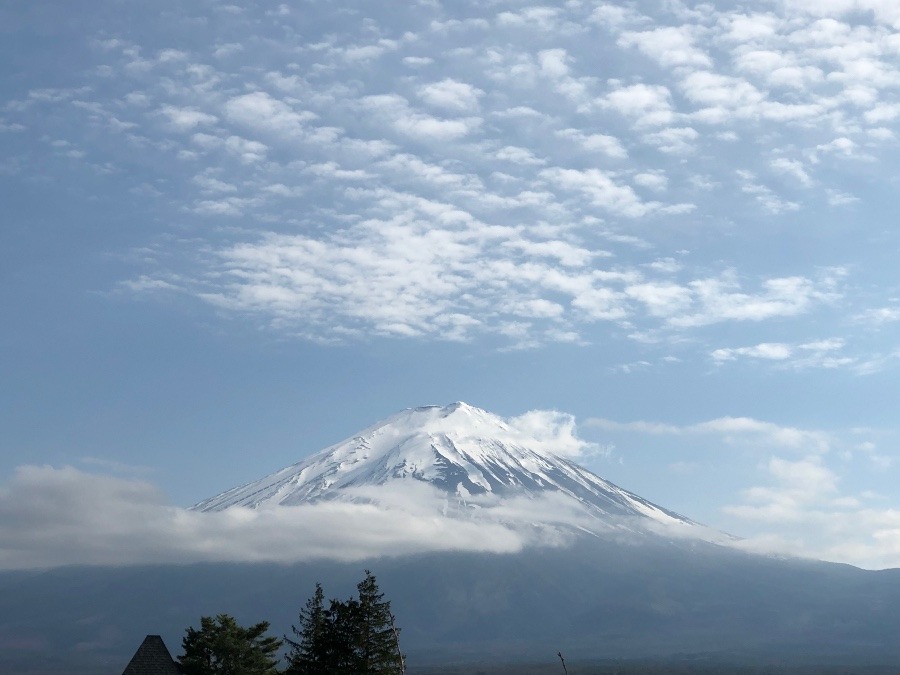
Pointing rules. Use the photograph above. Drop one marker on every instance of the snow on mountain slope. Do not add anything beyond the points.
(472, 459)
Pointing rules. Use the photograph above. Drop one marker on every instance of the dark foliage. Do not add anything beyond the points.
(351, 636)
(222, 647)
(308, 654)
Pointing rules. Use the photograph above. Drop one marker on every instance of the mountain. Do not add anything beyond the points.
(630, 587)
(473, 459)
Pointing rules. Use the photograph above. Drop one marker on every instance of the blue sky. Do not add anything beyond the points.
(235, 234)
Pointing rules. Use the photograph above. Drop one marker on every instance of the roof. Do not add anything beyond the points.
(152, 658)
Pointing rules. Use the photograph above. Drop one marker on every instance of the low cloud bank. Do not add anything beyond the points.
(51, 517)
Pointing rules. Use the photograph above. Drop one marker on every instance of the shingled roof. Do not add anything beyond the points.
(152, 658)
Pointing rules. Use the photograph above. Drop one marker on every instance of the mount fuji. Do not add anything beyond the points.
(474, 462)
(613, 581)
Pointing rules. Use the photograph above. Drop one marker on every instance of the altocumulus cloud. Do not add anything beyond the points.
(403, 276)
(421, 175)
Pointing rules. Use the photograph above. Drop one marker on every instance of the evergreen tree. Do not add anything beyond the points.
(342, 620)
(327, 638)
(377, 644)
(307, 655)
(350, 637)
(222, 647)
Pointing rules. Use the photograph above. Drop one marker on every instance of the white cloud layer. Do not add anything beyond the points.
(51, 517)
(431, 176)
(404, 277)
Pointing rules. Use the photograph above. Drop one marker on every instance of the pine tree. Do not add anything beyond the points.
(342, 619)
(350, 637)
(222, 647)
(377, 644)
(307, 656)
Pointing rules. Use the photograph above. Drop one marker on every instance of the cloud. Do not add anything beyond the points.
(801, 493)
(674, 140)
(248, 151)
(648, 105)
(602, 143)
(720, 299)
(793, 168)
(147, 284)
(261, 112)
(519, 156)
(842, 146)
(209, 183)
(434, 270)
(186, 119)
(714, 90)
(404, 277)
(662, 299)
(746, 430)
(817, 354)
(537, 16)
(554, 431)
(601, 188)
(765, 350)
(554, 64)
(418, 61)
(765, 196)
(450, 94)
(839, 198)
(804, 510)
(883, 112)
(478, 176)
(363, 52)
(653, 180)
(880, 315)
(227, 49)
(51, 517)
(396, 110)
(669, 46)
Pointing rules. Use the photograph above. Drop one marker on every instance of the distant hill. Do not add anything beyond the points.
(592, 600)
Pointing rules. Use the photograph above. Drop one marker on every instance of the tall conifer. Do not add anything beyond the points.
(351, 637)
(307, 654)
(377, 640)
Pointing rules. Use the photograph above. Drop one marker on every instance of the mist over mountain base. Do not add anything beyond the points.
(685, 604)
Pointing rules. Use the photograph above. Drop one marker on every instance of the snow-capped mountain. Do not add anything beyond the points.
(473, 459)
(624, 590)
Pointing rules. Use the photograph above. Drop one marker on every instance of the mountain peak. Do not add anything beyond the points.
(470, 456)
(458, 419)
(462, 407)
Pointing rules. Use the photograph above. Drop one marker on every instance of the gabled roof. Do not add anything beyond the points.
(152, 658)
